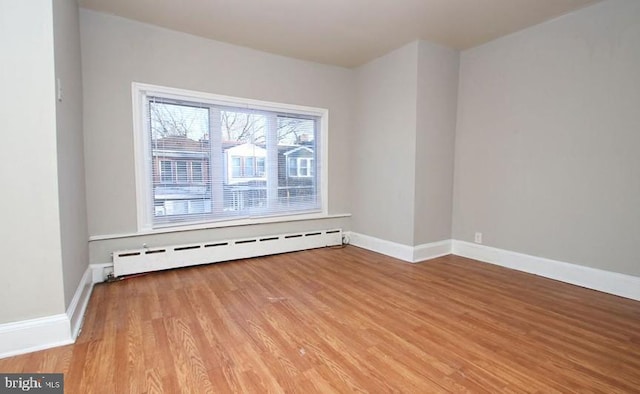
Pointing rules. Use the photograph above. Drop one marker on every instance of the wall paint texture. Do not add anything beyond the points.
(437, 99)
(117, 52)
(548, 137)
(30, 269)
(70, 155)
(383, 160)
(403, 144)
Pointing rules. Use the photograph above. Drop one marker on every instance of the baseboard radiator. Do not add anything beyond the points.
(127, 262)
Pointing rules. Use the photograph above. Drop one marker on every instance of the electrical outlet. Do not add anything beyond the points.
(478, 238)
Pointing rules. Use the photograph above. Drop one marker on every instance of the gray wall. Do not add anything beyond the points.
(548, 140)
(30, 268)
(435, 139)
(117, 52)
(71, 184)
(402, 179)
(383, 160)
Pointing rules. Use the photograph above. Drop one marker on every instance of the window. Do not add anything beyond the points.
(260, 167)
(222, 158)
(196, 172)
(249, 167)
(303, 167)
(236, 167)
(166, 173)
(293, 167)
(300, 167)
(181, 171)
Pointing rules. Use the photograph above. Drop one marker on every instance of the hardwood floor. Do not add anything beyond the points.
(344, 320)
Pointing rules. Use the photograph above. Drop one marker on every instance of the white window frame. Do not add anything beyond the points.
(182, 178)
(143, 162)
(234, 167)
(162, 172)
(192, 177)
(298, 173)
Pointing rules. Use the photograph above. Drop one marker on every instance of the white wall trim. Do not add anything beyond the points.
(142, 145)
(393, 249)
(431, 250)
(57, 330)
(35, 334)
(31, 335)
(592, 278)
(410, 254)
(99, 272)
(223, 224)
(78, 305)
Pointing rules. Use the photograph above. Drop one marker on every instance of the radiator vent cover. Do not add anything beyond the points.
(127, 262)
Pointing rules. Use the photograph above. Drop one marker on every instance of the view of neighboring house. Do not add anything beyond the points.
(181, 174)
(184, 179)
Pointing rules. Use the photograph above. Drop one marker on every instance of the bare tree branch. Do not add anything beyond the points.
(169, 120)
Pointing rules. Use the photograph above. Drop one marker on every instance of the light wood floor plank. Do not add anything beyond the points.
(347, 320)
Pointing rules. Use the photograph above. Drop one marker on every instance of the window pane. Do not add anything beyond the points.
(236, 167)
(303, 168)
(244, 136)
(196, 172)
(242, 127)
(180, 142)
(165, 171)
(297, 142)
(249, 166)
(181, 171)
(296, 131)
(212, 161)
(260, 167)
(174, 124)
(293, 167)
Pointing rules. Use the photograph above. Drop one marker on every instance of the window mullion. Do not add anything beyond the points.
(186, 148)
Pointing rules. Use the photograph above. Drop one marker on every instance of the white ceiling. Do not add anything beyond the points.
(340, 32)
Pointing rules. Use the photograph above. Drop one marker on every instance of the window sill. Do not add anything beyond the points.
(221, 224)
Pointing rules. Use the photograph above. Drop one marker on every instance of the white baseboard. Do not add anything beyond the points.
(31, 335)
(99, 272)
(57, 330)
(592, 278)
(27, 336)
(393, 249)
(78, 305)
(431, 250)
(410, 254)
